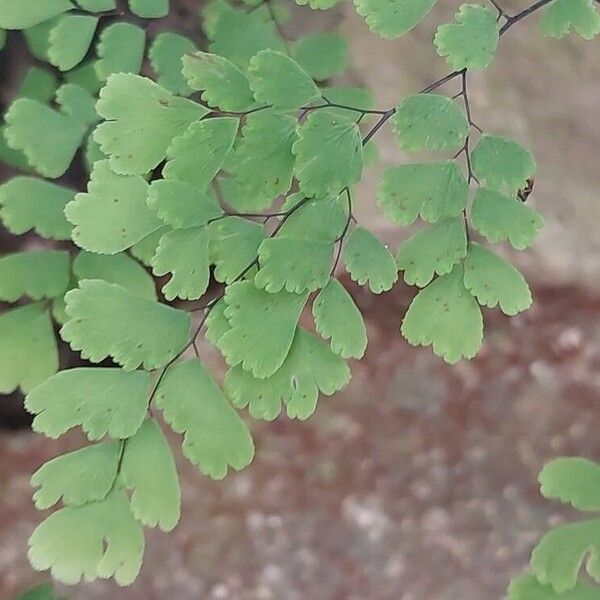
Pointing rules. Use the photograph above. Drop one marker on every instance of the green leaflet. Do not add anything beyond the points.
(250, 312)
(37, 38)
(222, 83)
(196, 156)
(321, 219)
(181, 205)
(36, 273)
(309, 369)
(471, 42)
(388, 20)
(527, 587)
(28, 13)
(142, 120)
(432, 191)
(120, 49)
(500, 163)
(329, 153)
(77, 102)
(564, 16)
(85, 76)
(48, 138)
(116, 268)
(38, 84)
(103, 401)
(433, 251)
(572, 480)
(500, 218)
(494, 281)
(165, 54)
(99, 539)
(429, 122)
(369, 261)
(145, 249)
(216, 322)
(70, 40)
(113, 214)
(215, 438)
(97, 5)
(149, 9)
(294, 264)
(79, 477)
(262, 165)
(108, 320)
(28, 353)
(238, 36)
(148, 469)
(318, 4)
(337, 318)
(184, 254)
(559, 555)
(233, 245)
(349, 96)
(322, 55)
(445, 316)
(279, 81)
(44, 591)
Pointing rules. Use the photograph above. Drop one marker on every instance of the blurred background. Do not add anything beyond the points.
(418, 481)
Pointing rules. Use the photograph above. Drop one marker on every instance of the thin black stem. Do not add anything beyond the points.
(501, 12)
(342, 236)
(524, 13)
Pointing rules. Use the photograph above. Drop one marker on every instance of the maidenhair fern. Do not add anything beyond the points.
(227, 171)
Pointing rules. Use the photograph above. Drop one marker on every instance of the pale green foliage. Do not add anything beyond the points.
(559, 555)
(498, 218)
(148, 469)
(493, 281)
(100, 400)
(502, 164)
(149, 9)
(234, 244)
(113, 214)
(37, 274)
(572, 480)
(222, 83)
(277, 80)
(198, 154)
(527, 587)
(165, 54)
(432, 191)
(445, 316)
(70, 40)
(319, 219)
(63, 134)
(430, 122)
(294, 264)
(369, 261)
(184, 254)
(108, 320)
(28, 352)
(318, 4)
(145, 249)
(238, 36)
(388, 19)
(337, 318)
(251, 312)
(120, 50)
(470, 42)
(263, 162)
(322, 55)
(98, 539)
(116, 268)
(181, 205)
(433, 250)
(78, 477)
(27, 13)
(77, 102)
(215, 438)
(142, 119)
(310, 367)
(97, 5)
(562, 16)
(328, 153)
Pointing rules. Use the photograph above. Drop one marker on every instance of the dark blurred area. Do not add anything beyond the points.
(418, 481)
